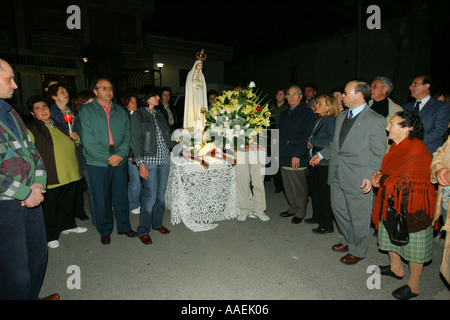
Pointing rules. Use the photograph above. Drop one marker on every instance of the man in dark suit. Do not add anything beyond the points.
(355, 153)
(296, 124)
(435, 114)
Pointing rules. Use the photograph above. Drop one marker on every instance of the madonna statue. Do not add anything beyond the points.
(195, 98)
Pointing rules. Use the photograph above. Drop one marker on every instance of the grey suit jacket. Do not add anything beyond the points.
(361, 152)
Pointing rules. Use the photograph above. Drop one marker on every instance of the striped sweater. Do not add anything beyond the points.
(20, 162)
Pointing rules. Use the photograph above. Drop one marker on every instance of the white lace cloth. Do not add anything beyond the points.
(198, 196)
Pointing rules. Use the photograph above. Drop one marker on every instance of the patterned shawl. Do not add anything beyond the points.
(407, 167)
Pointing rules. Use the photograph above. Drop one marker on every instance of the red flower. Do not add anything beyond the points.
(258, 108)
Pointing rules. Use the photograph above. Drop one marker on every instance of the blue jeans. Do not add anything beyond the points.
(134, 186)
(23, 251)
(153, 203)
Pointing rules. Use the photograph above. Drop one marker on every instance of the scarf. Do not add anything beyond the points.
(407, 166)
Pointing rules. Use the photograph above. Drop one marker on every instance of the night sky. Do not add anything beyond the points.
(255, 27)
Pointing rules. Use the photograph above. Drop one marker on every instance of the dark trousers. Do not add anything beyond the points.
(59, 209)
(296, 188)
(109, 187)
(23, 251)
(320, 197)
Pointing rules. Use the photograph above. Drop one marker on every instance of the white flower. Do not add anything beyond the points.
(252, 85)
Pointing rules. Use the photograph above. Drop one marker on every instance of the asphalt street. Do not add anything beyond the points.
(251, 260)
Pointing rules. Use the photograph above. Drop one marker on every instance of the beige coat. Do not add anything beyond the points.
(441, 159)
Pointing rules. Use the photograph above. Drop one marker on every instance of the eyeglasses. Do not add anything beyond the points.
(345, 92)
(104, 88)
(416, 83)
(293, 94)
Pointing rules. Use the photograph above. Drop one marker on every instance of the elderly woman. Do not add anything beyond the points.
(440, 174)
(405, 175)
(60, 96)
(150, 144)
(321, 136)
(57, 148)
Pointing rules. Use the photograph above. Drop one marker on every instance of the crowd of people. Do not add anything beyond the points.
(333, 148)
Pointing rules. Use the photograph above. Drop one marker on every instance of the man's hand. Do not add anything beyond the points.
(376, 179)
(315, 160)
(114, 160)
(443, 177)
(143, 172)
(73, 136)
(35, 198)
(366, 186)
(295, 162)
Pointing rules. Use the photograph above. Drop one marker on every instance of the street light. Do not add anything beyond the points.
(85, 61)
(160, 65)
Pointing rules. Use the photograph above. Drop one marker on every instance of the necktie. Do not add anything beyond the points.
(416, 107)
(350, 114)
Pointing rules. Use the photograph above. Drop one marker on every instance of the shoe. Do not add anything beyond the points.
(146, 239)
(136, 211)
(286, 214)
(75, 230)
(296, 220)
(163, 230)
(386, 271)
(339, 248)
(320, 230)
(105, 239)
(350, 259)
(130, 233)
(262, 216)
(242, 217)
(310, 221)
(54, 296)
(53, 244)
(404, 293)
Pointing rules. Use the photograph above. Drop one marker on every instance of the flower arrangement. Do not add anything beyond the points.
(238, 115)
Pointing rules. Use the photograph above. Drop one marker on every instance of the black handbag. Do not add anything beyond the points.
(396, 225)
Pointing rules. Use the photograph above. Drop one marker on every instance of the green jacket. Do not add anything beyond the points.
(95, 137)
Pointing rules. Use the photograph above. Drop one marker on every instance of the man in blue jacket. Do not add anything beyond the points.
(435, 114)
(295, 127)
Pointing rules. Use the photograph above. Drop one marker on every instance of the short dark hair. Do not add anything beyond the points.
(144, 94)
(310, 85)
(428, 80)
(53, 90)
(165, 89)
(340, 89)
(33, 99)
(81, 98)
(411, 120)
(364, 87)
(127, 98)
(212, 91)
